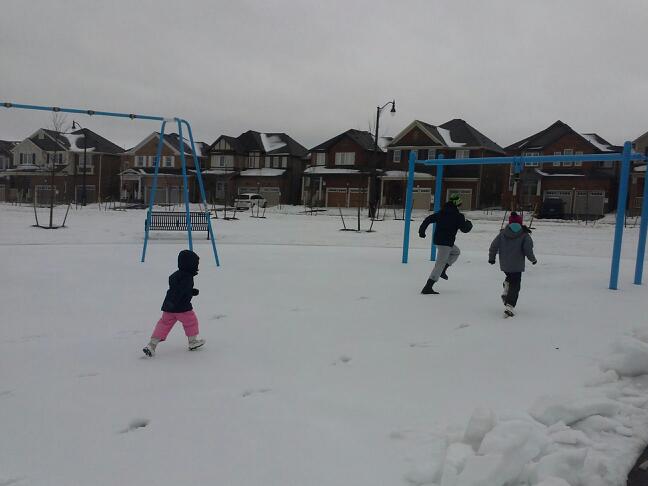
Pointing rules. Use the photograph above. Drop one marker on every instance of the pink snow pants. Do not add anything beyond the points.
(168, 320)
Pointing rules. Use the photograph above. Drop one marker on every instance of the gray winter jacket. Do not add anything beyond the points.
(512, 248)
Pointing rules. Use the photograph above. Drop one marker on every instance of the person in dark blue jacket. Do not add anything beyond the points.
(177, 304)
(448, 221)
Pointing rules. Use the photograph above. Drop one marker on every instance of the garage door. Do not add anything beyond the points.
(421, 198)
(357, 197)
(566, 196)
(271, 194)
(336, 197)
(589, 203)
(3, 194)
(466, 197)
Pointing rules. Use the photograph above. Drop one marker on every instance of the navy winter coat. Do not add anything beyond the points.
(178, 297)
(448, 221)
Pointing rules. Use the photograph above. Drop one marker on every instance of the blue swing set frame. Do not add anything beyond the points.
(517, 163)
(180, 122)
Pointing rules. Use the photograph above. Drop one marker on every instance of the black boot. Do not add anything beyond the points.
(444, 275)
(428, 288)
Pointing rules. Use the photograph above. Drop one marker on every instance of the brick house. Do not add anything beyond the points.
(586, 188)
(270, 164)
(637, 176)
(479, 185)
(138, 170)
(67, 161)
(340, 171)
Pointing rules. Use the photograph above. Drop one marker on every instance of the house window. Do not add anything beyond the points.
(58, 159)
(320, 158)
(557, 164)
(568, 152)
(462, 154)
(140, 161)
(397, 156)
(531, 154)
(344, 158)
(284, 162)
(254, 160)
(168, 161)
(578, 163)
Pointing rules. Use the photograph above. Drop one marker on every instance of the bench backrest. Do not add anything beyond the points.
(178, 221)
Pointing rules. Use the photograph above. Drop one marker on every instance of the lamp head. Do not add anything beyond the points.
(393, 110)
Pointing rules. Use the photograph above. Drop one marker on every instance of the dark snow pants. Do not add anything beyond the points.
(512, 288)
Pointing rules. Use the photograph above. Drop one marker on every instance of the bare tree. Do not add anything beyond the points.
(59, 121)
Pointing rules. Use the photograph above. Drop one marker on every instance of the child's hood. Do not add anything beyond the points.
(188, 262)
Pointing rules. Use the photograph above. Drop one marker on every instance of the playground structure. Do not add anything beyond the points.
(180, 122)
(517, 164)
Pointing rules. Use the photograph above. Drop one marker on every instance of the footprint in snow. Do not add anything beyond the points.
(254, 391)
(138, 423)
(364, 297)
(463, 326)
(427, 344)
(218, 316)
(8, 482)
(3, 394)
(87, 375)
(342, 359)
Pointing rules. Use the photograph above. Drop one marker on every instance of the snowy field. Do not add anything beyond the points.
(324, 365)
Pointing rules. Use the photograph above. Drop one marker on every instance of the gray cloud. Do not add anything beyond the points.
(314, 69)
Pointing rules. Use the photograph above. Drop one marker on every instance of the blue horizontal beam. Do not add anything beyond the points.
(132, 116)
(536, 159)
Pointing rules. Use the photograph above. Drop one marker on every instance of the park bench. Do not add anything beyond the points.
(176, 221)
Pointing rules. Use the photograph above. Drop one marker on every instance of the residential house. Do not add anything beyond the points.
(80, 165)
(478, 185)
(270, 164)
(638, 176)
(138, 170)
(6, 162)
(341, 171)
(586, 188)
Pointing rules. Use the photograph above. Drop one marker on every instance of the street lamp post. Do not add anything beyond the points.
(373, 190)
(85, 148)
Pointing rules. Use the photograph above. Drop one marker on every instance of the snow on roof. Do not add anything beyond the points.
(271, 142)
(216, 171)
(546, 174)
(324, 170)
(403, 174)
(265, 172)
(445, 134)
(72, 140)
(592, 139)
(640, 168)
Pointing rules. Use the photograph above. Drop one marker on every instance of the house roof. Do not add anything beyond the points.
(268, 143)
(6, 146)
(362, 138)
(74, 142)
(455, 133)
(556, 131)
(173, 141)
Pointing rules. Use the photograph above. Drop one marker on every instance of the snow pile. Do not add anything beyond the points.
(271, 142)
(591, 437)
(445, 134)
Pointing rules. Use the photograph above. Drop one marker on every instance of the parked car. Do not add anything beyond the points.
(249, 200)
(552, 208)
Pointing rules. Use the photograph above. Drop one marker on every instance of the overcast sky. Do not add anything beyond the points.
(313, 69)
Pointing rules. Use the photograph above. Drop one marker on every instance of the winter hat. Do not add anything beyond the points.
(455, 199)
(188, 261)
(515, 218)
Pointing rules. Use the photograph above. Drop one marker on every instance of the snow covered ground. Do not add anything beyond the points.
(324, 365)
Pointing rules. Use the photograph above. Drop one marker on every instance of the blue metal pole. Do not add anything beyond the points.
(185, 182)
(641, 246)
(438, 190)
(620, 215)
(408, 205)
(132, 116)
(202, 190)
(153, 189)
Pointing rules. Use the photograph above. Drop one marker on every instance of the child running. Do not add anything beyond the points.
(177, 304)
(513, 243)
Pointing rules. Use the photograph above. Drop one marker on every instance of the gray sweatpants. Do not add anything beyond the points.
(446, 255)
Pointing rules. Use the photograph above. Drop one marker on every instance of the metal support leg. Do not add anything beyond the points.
(185, 182)
(643, 228)
(438, 195)
(408, 206)
(158, 154)
(620, 215)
